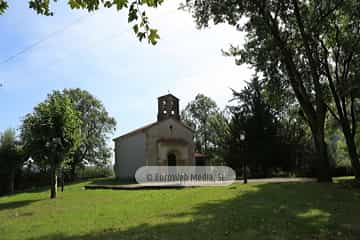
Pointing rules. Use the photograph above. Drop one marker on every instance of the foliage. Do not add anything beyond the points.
(254, 211)
(202, 115)
(273, 139)
(51, 133)
(94, 172)
(258, 123)
(210, 126)
(219, 130)
(313, 46)
(11, 159)
(136, 14)
(96, 125)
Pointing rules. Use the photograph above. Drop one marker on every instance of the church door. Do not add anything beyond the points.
(171, 159)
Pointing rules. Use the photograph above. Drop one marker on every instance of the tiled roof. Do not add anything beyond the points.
(136, 130)
(142, 129)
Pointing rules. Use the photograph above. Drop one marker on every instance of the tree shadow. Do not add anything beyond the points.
(266, 212)
(17, 204)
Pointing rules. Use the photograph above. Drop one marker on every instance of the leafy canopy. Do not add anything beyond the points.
(96, 125)
(11, 153)
(52, 131)
(199, 114)
(136, 13)
(313, 46)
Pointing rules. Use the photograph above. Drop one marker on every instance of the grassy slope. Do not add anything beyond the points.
(255, 211)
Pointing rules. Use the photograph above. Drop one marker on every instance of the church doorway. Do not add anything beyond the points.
(171, 159)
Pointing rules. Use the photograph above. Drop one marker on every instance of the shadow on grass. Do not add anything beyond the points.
(17, 204)
(266, 211)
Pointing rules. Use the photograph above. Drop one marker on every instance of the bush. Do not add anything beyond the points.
(342, 171)
(27, 179)
(94, 172)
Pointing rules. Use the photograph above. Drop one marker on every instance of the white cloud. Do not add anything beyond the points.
(215, 82)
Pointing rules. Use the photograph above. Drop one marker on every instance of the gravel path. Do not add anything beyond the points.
(278, 180)
(162, 185)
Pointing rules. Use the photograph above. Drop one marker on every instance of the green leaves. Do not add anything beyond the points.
(41, 7)
(142, 27)
(136, 13)
(120, 4)
(152, 3)
(96, 124)
(153, 36)
(12, 158)
(3, 6)
(136, 28)
(197, 115)
(74, 4)
(52, 131)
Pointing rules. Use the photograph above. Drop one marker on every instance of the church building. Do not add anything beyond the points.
(166, 142)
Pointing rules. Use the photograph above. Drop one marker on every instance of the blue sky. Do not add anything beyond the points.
(99, 52)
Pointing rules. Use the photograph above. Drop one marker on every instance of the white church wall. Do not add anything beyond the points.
(130, 155)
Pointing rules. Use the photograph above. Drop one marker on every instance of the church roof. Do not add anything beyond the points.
(144, 128)
(136, 130)
(169, 94)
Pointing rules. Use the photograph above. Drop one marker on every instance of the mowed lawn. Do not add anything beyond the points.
(255, 211)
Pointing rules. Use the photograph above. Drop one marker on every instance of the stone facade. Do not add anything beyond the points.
(169, 137)
(165, 142)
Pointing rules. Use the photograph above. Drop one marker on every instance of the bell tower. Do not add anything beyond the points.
(168, 107)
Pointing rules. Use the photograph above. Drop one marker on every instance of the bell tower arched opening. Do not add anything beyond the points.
(168, 107)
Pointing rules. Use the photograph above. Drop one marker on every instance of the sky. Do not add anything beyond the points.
(99, 52)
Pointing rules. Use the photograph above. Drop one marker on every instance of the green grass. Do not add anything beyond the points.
(255, 211)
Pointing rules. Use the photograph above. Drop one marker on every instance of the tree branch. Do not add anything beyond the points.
(353, 116)
(321, 18)
(331, 82)
(333, 113)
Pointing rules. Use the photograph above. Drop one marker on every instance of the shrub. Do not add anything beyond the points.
(94, 172)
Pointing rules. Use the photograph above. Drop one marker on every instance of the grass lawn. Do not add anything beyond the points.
(253, 211)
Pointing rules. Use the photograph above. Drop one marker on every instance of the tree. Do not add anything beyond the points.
(219, 130)
(197, 115)
(11, 159)
(51, 133)
(312, 45)
(136, 14)
(273, 135)
(96, 125)
(259, 123)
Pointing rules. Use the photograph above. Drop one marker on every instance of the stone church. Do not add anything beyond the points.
(166, 142)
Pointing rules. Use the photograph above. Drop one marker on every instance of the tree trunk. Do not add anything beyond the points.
(322, 163)
(315, 114)
(53, 187)
(354, 157)
(72, 171)
(12, 181)
(62, 180)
